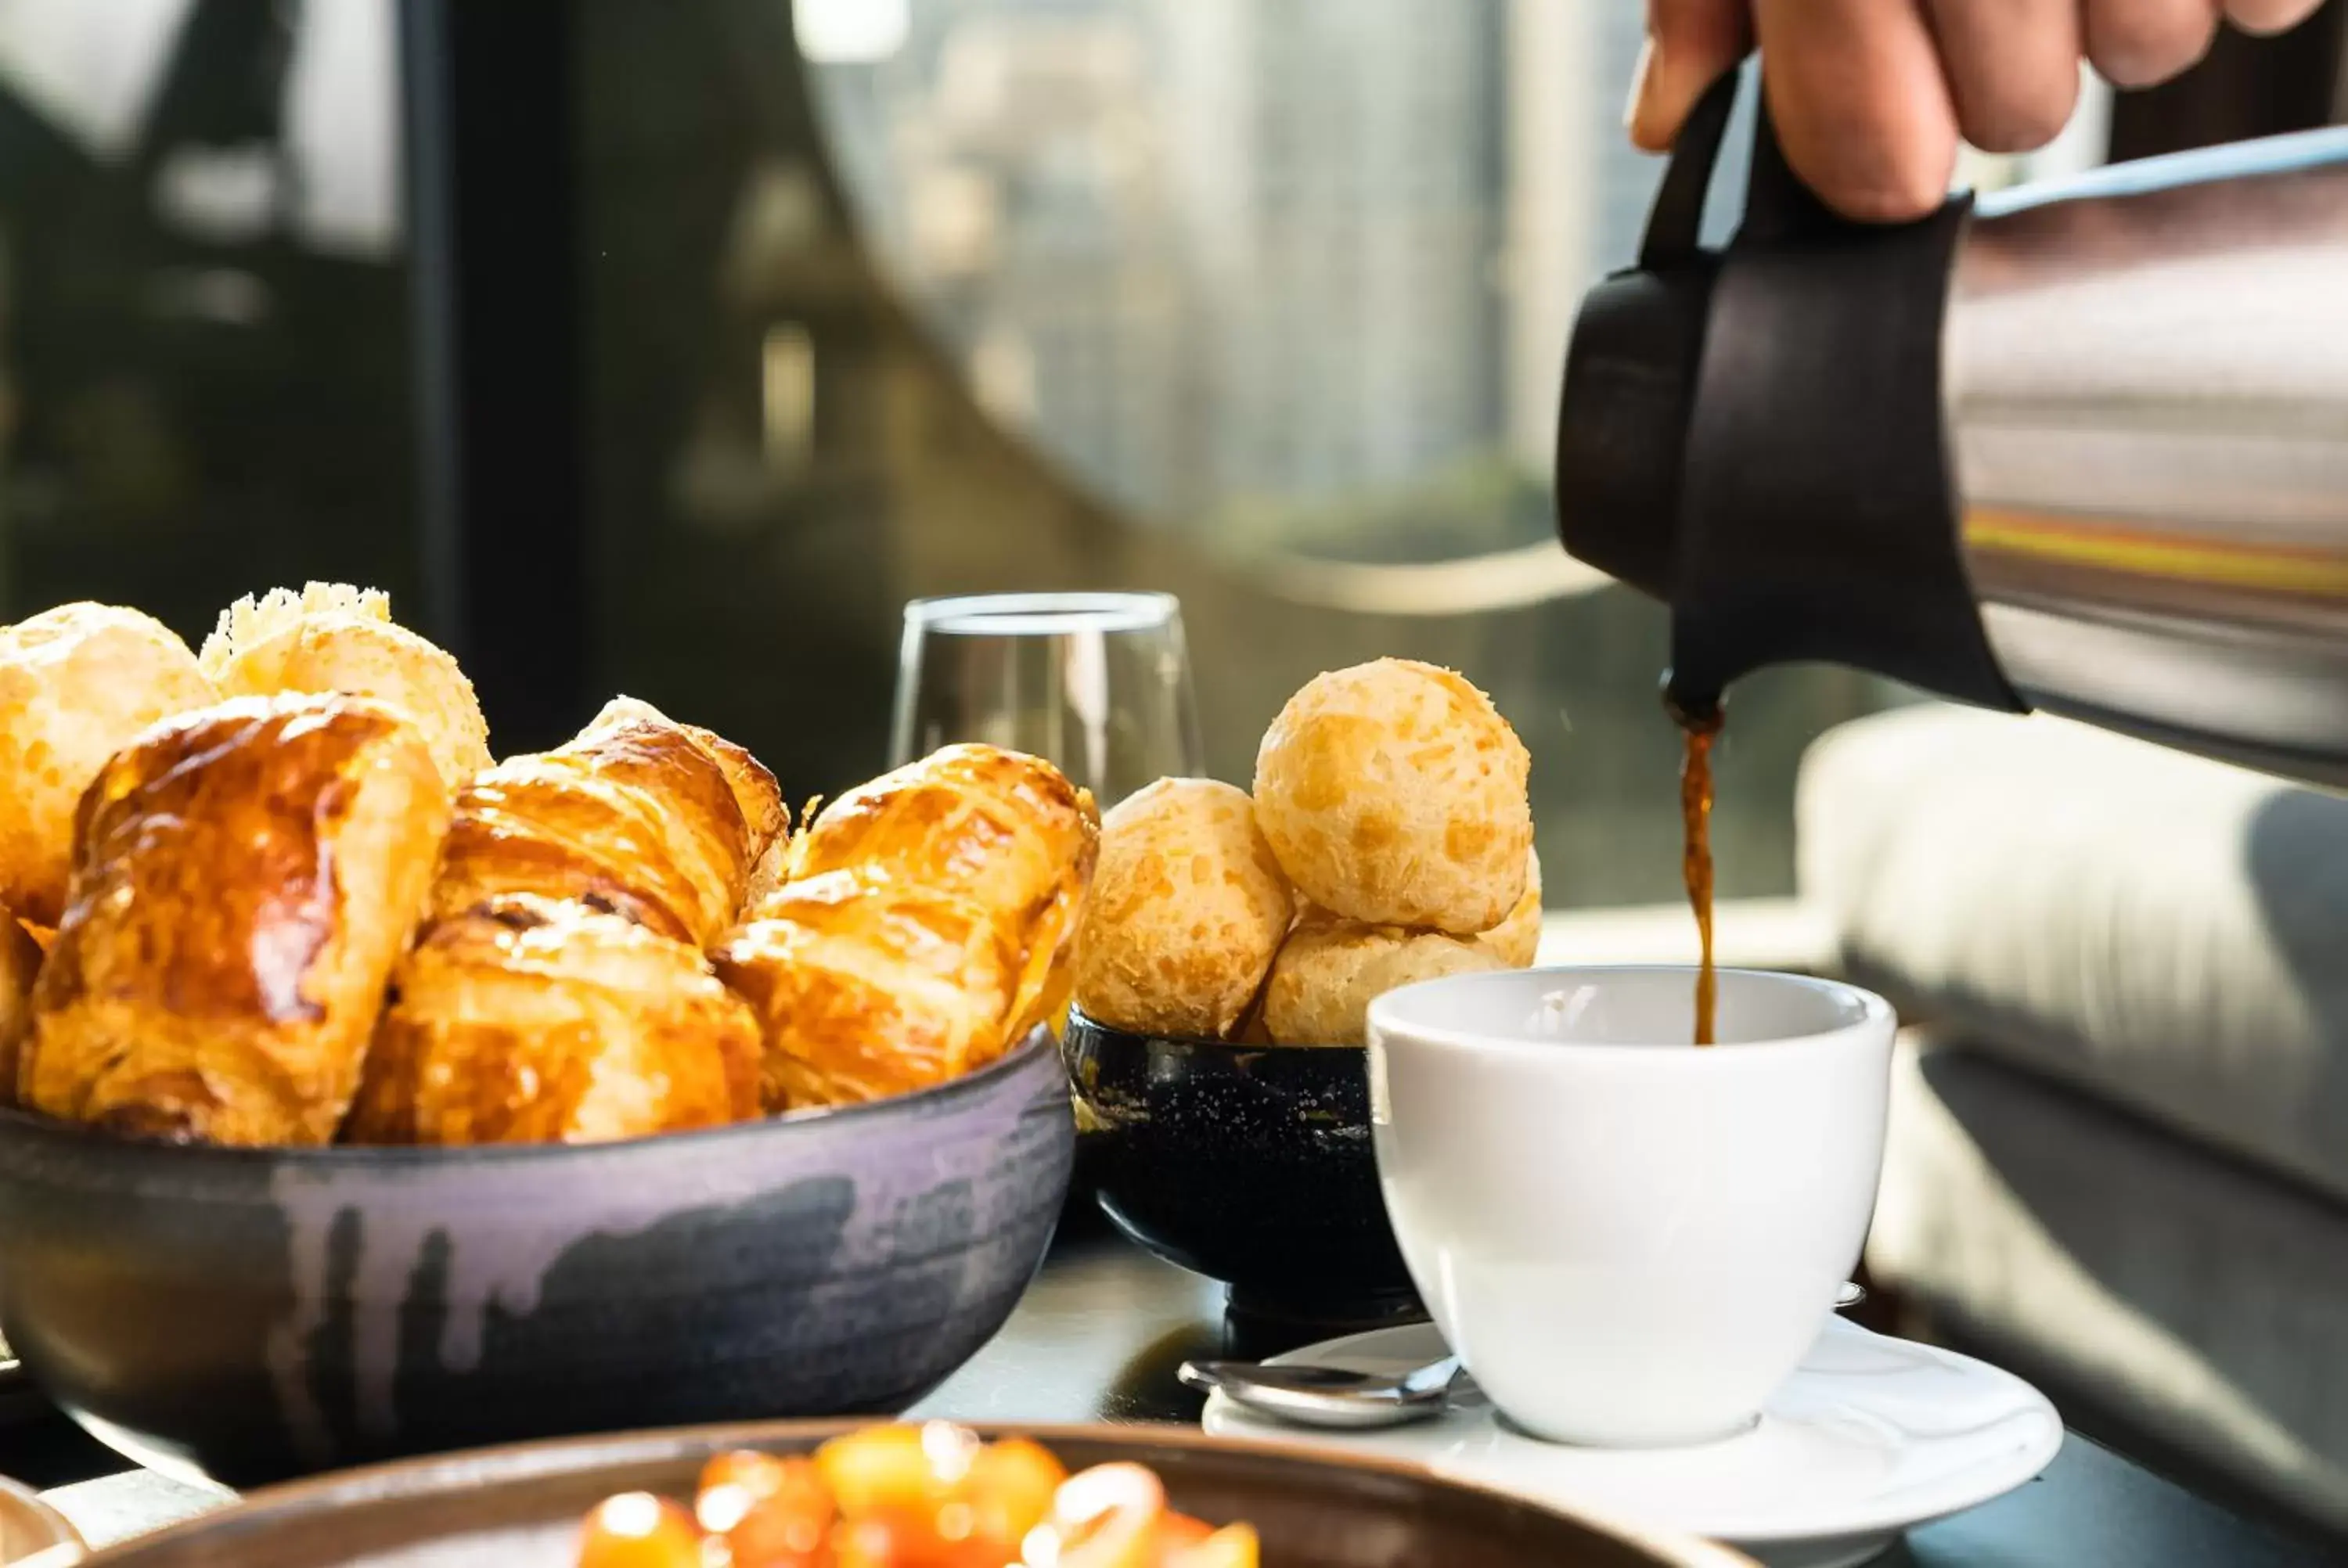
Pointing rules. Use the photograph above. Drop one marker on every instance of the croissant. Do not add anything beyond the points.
(76, 683)
(244, 879)
(634, 816)
(532, 1020)
(20, 964)
(866, 985)
(1000, 828)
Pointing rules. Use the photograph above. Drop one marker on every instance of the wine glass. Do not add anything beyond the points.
(1098, 684)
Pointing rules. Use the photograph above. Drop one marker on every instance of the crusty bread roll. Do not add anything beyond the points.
(1186, 908)
(633, 815)
(244, 879)
(1330, 969)
(1394, 794)
(1517, 939)
(1005, 830)
(76, 683)
(867, 984)
(536, 1021)
(20, 965)
(335, 638)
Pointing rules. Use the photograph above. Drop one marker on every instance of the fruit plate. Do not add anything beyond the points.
(521, 1507)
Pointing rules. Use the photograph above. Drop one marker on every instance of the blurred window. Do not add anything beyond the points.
(1291, 284)
(203, 303)
(735, 324)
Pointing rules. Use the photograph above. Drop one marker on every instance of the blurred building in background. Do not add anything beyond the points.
(670, 347)
(1214, 254)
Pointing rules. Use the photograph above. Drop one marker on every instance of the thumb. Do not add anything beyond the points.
(1690, 44)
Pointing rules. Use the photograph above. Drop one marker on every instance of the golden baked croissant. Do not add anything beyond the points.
(868, 985)
(76, 683)
(635, 815)
(335, 638)
(754, 789)
(533, 1020)
(1003, 829)
(244, 879)
(20, 965)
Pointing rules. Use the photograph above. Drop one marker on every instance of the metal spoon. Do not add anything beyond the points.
(1329, 1395)
(1344, 1397)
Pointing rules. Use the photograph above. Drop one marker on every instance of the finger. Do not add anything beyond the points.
(2138, 43)
(2270, 15)
(1691, 43)
(2013, 68)
(1856, 92)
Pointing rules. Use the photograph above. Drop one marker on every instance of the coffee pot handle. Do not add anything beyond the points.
(1777, 205)
(1675, 223)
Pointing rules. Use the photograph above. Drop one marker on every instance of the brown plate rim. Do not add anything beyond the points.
(411, 1479)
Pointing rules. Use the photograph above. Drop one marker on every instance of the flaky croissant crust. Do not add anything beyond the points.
(634, 816)
(532, 1019)
(1000, 827)
(925, 928)
(245, 876)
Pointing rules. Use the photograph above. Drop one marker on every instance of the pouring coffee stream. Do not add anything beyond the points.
(1698, 728)
(2080, 448)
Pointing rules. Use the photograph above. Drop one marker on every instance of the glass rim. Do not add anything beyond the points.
(1039, 613)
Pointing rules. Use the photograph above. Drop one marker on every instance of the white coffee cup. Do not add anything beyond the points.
(1630, 1241)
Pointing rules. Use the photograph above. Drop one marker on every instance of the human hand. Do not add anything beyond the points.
(1870, 96)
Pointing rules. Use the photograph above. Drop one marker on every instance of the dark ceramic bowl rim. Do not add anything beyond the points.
(401, 1157)
(1192, 1042)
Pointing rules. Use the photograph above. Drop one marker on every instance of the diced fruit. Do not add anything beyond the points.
(754, 1473)
(1009, 1489)
(790, 1526)
(1232, 1546)
(637, 1529)
(896, 1466)
(1107, 1517)
(930, 1496)
(1176, 1534)
(910, 1538)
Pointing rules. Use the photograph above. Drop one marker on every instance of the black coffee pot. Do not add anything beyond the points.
(2080, 447)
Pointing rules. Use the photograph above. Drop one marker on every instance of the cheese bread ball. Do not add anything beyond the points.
(1516, 939)
(335, 638)
(1186, 908)
(1330, 969)
(1394, 794)
(76, 682)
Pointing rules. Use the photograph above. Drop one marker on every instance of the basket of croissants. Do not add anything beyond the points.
(277, 892)
(371, 1096)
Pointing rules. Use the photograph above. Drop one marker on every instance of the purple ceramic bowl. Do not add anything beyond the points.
(258, 1314)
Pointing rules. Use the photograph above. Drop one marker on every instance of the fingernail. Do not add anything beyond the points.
(1638, 112)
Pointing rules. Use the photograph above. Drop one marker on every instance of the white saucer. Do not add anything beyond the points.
(1871, 1436)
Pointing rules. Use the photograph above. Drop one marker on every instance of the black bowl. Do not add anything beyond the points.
(257, 1314)
(1247, 1164)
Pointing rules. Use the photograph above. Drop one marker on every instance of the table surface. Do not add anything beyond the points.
(1099, 1336)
